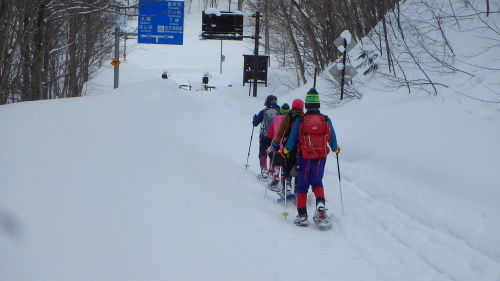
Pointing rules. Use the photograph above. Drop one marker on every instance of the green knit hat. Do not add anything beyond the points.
(312, 99)
(285, 108)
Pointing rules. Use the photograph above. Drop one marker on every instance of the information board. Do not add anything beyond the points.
(222, 26)
(161, 22)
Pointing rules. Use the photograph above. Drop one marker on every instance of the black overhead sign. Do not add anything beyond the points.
(225, 26)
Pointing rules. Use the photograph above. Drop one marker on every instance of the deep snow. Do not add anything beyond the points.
(147, 182)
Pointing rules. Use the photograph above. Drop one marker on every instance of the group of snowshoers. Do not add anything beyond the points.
(295, 144)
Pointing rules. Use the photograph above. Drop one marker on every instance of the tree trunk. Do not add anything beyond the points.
(295, 49)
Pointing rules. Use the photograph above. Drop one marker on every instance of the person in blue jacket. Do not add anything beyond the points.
(265, 119)
(311, 170)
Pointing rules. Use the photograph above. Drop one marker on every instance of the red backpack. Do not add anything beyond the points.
(314, 134)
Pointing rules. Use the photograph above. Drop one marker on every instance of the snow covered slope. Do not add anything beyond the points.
(147, 182)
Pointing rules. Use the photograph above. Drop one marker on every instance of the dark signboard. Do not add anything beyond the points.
(222, 26)
(249, 66)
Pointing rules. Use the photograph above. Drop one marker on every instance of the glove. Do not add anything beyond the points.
(276, 147)
(285, 153)
(338, 150)
(268, 150)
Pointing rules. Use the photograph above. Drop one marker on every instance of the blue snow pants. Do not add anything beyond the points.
(311, 173)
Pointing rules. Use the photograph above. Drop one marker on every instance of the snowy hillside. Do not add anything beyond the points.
(147, 182)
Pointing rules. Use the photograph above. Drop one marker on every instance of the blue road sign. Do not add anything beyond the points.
(161, 22)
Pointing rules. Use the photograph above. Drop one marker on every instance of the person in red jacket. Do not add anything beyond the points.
(312, 133)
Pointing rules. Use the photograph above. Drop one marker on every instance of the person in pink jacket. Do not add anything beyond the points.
(277, 161)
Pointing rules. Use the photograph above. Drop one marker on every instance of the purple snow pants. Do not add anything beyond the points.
(311, 173)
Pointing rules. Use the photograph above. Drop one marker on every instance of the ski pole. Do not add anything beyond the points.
(251, 137)
(340, 184)
(285, 213)
(265, 191)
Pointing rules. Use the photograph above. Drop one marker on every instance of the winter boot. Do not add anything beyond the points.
(281, 192)
(264, 175)
(301, 219)
(288, 185)
(273, 185)
(320, 217)
(263, 162)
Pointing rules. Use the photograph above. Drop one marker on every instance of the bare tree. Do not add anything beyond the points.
(50, 48)
(303, 32)
(15, 25)
(413, 43)
(417, 43)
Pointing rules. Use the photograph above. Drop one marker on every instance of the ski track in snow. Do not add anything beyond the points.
(418, 247)
(376, 239)
(413, 241)
(364, 233)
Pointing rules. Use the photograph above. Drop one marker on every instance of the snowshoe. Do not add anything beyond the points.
(321, 218)
(301, 220)
(289, 197)
(289, 194)
(288, 183)
(264, 175)
(273, 185)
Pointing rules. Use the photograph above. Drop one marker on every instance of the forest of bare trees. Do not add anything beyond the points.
(50, 48)
(302, 32)
(415, 48)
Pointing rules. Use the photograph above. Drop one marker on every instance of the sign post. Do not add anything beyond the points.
(161, 22)
(256, 54)
(116, 60)
(337, 69)
(229, 26)
(344, 44)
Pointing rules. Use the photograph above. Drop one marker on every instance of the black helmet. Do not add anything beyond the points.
(270, 99)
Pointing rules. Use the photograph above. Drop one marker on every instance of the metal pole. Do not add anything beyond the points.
(343, 71)
(117, 54)
(256, 54)
(315, 73)
(266, 28)
(340, 185)
(124, 47)
(220, 56)
(250, 146)
(285, 213)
